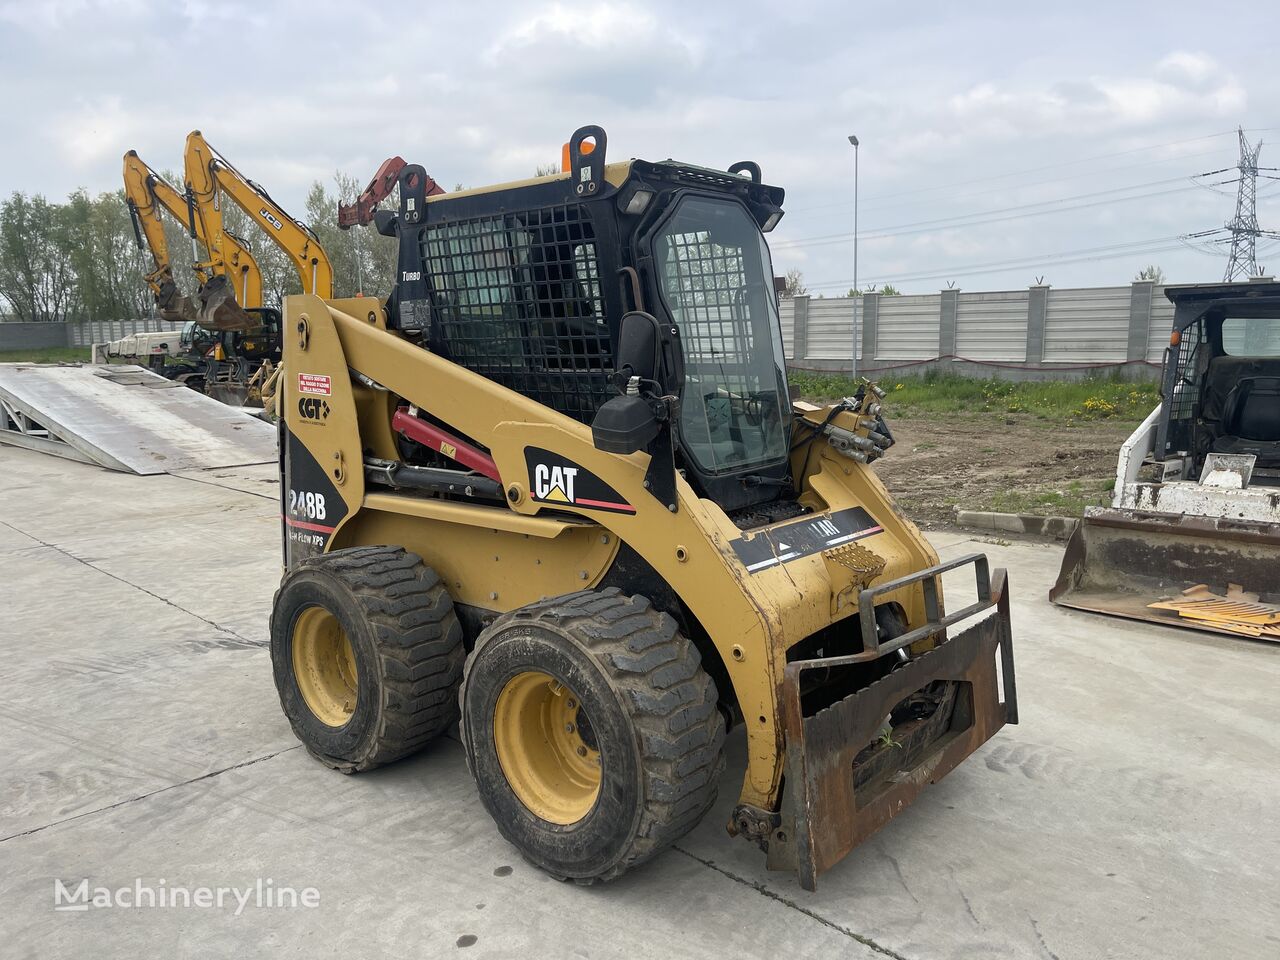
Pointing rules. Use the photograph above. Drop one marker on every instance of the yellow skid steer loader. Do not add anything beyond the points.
(555, 489)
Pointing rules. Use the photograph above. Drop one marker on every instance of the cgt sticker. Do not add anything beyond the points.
(558, 480)
(316, 384)
(803, 538)
(312, 410)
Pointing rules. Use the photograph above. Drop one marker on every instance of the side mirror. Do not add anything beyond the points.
(384, 221)
(638, 340)
(624, 425)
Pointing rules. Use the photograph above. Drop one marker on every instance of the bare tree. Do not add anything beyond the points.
(793, 285)
(888, 290)
(363, 260)
(1151, 272)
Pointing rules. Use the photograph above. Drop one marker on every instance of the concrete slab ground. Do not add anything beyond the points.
(1127, 816)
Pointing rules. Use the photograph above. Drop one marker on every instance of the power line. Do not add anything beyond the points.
(1018, 212)
(1040, 169)
(840, 207)
(1040, 203)
(1104, 252)
(1244, 225)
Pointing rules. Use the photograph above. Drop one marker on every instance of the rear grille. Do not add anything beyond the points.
(517, 299)
(761, 515)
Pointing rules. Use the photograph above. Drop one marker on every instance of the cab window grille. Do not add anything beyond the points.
(1190, 356)
(517, 299)
(707, 286)
(717, 284)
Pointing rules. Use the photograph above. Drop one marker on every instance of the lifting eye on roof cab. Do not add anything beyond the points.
(586, 160)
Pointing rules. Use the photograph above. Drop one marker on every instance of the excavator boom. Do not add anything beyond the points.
(380, 187)
(229, 265)
(142, 188)
(209, 176)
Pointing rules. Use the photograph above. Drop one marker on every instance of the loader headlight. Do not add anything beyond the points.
(635, 202)
(765, 212)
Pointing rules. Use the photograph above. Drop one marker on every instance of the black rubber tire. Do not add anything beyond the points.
(653, 710)
(408, 649)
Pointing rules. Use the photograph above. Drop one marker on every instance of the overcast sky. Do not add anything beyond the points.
(965, 112)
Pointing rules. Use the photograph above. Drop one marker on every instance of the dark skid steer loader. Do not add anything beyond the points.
(1197, 496)
(555, 489)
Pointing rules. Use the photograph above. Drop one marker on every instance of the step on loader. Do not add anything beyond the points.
(555, 489)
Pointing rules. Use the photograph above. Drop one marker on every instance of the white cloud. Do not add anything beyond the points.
(293, 90)
(90, 132)
(1192, 88)
(1190, 66)
(589, 27)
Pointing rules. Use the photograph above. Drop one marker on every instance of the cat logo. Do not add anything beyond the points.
(556, 479)
(554, 483)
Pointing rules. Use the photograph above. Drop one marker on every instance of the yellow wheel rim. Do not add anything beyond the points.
(324, 666)
(546, 747)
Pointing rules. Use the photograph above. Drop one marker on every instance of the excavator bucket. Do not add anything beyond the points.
(1119, 561)
(171, 304)
(217, 309)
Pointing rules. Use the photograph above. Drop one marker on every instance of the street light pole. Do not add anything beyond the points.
(857, 293)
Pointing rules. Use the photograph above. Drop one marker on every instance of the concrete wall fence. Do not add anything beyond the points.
(42, 336)
(1033, 334)
(1037, 333)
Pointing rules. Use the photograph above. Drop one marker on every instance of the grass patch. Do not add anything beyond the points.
(46, 355)
(1067, 501)
(1095, 398)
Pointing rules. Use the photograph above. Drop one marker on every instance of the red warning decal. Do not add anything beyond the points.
(314, 383)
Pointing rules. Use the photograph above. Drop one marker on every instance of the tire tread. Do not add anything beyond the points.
(657, 673)
(418, 643)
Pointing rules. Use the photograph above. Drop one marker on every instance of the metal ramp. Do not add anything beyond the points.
(126, 418)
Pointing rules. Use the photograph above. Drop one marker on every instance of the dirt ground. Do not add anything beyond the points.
(1007, 463)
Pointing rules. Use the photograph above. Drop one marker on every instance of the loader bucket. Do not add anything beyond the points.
(1118, 561)
(845, 781)
(217, 308)
(230, 393)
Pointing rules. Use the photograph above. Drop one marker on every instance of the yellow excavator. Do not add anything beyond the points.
(228, 271)
(209, 177)
(227, 333)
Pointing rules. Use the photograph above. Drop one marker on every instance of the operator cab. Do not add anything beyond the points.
(529, 283)
(257, 344)
(1222, 379)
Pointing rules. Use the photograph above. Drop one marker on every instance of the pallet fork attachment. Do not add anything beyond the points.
(842, 783)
